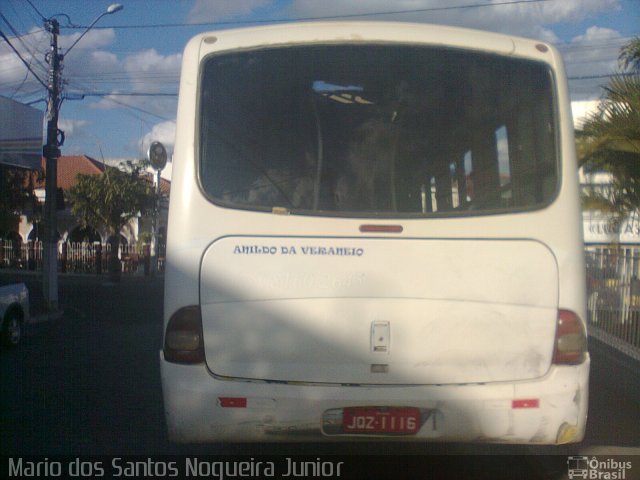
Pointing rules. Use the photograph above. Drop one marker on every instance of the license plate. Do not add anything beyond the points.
(398, 420)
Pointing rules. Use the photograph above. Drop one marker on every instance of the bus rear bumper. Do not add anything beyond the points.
(201, 408)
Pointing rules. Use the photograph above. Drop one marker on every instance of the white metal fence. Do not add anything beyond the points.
(76, 257)
(613, 292)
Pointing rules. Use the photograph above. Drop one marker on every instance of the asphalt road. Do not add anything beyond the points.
(88, 383)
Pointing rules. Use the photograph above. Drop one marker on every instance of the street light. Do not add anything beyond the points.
(113, 8)
(51, 152)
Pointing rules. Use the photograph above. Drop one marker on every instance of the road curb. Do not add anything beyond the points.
(46, 317)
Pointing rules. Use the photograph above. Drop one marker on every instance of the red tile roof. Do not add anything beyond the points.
(71, 165)
(165, 185)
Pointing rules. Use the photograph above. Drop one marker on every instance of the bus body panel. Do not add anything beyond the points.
(245, 268)
(367, 341)
(276, 412)
(330, 310)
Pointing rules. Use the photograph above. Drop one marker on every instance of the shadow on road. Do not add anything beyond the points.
(89, 383)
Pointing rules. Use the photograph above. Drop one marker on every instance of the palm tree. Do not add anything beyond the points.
(630, 55)
(609, 140)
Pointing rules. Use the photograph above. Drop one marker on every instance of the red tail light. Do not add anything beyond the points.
(381, 228)
(525, 403)
(232, 402)
(183, 339)
(571, 339)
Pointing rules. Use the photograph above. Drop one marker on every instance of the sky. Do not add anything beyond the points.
(121, 79)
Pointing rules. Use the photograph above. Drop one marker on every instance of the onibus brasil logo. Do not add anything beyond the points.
(594, 468)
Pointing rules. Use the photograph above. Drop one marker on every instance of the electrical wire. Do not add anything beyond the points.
(23, 60)
(141, 110)
(597, 77)
(24, 45)
(108, 97)
(321, 17)
(35, 32)
(42, 17)
(26, 75)
(128, 94)
(111, 79)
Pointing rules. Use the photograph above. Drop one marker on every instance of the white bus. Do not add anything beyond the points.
(374, 231)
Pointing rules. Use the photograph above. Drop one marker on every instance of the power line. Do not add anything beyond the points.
(26, 75)
(597, 77)
(28, 34)
(18, 16)
(322, 17)
(108, 97)
(128, 94)
(132, 107)
(36, 101)
(606, 44)
(24, 45)
(168, 94)
(23, 60)
(42, 17)
(113, 78)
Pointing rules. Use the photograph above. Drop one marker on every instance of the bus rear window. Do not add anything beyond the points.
(381, 130)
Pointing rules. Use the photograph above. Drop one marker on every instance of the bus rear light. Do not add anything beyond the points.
(381, 228)
(232, 402)
(183, 340)
(525, 403)
(571, 339)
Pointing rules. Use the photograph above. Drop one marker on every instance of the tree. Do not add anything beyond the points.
(630, 55)
(16, 196)
(111, 200)
(610, 139)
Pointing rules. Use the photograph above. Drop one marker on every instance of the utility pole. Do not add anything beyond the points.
(51, 153)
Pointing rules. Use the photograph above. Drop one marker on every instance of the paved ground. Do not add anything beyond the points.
(88, 383)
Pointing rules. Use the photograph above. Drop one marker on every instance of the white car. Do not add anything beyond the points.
(14, 312)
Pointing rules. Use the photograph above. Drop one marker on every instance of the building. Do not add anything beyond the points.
(599, 230)
(69, 166)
